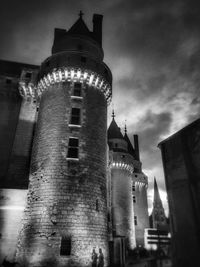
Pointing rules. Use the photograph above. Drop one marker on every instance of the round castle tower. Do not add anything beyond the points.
(121, 164)
(66, 213)
(128, 190)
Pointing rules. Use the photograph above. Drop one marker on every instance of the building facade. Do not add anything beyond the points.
(80, 196)
(180, 154)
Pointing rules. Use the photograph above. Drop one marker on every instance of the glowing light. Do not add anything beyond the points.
(78, 74)
(88, 77)
(72, 74)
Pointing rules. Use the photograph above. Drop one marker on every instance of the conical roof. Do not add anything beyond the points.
(131, 150)
(79, 28)
(114, 131)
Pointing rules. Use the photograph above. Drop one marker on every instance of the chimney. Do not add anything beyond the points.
(97, 28)
(136, 146)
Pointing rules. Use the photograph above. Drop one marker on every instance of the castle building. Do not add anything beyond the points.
(69, 188)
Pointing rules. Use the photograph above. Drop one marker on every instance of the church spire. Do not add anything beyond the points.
(157, 198)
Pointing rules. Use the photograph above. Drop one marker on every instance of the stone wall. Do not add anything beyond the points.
(141, 211)
(10, 103)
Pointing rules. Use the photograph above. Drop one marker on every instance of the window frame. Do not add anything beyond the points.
(75, 117)
(72, 148)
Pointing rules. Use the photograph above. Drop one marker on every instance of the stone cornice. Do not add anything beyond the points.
(69, 74)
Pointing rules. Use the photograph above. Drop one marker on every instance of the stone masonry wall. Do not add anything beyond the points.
(141, 211)
(63, 195)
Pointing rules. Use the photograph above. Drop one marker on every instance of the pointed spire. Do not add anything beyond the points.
(125, 129)
(156, 192)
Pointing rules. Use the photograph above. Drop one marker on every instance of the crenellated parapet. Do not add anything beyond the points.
(29, 89)
(121, 160)
(27, 84)
(140, 179)
(71, 74)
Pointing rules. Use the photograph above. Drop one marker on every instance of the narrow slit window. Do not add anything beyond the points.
(135, 220)
(65, 248)
(75, 116)
(73, 148)
(97, 205)
(77, 89)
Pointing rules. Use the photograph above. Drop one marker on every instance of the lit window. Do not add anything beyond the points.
(134, 199)
(75, 116)
(133, 188)
(73, 148)
(65, 248)
(135, 220)
(77, 89)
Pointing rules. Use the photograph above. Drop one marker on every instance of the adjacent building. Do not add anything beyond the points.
(181, 155)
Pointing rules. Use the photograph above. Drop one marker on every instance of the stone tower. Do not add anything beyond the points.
(128, 195)
(121, 164)
(66, 212)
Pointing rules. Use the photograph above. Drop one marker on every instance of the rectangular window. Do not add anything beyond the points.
(65, 248)
(135, 220)
(83, 59)
(28, 75)
(133, 188)
(75, 116)
(77, 89)
(134, 199)
(73, 148)
(8, 81)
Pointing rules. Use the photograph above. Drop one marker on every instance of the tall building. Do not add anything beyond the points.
(180, 155)
(80, 194)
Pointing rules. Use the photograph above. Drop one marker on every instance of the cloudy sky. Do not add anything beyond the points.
(152, 48)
